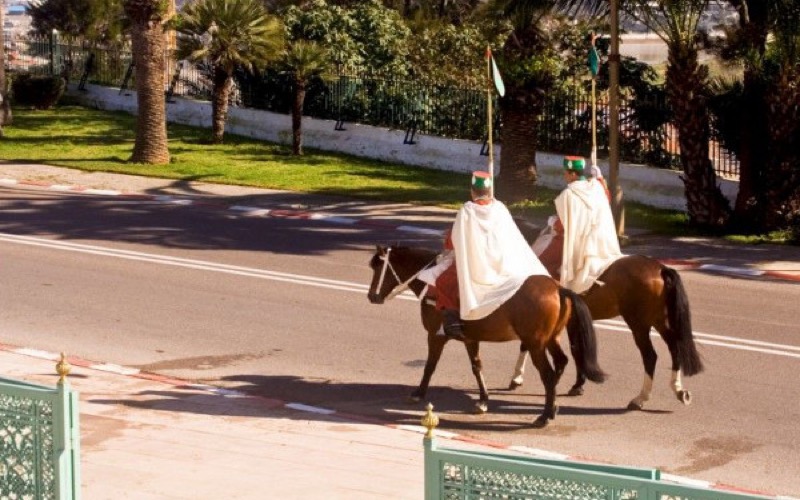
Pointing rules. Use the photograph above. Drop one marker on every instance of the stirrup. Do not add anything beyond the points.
(454, 330)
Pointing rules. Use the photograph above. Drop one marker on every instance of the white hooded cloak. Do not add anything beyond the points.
(590, 236)
(492, 258)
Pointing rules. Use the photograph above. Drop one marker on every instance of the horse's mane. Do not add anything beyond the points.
(409, 255)
(413, 252)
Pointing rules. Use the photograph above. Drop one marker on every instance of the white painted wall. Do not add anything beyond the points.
(650, 186)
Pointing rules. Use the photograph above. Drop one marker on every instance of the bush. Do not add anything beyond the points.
(37, 91)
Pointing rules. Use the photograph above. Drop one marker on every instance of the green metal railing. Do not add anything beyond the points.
(564, 126)
(466, 475)
(39, 440)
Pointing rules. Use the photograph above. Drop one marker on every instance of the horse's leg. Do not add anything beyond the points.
(548, 376)
(560, 359)
(683, 395)
(580, 380)
(435, 347)
(519, 369)
(577, 387)
(473, 348)
(641, 335)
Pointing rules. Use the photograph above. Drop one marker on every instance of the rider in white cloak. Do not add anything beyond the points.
(590, 236)
(492, 257)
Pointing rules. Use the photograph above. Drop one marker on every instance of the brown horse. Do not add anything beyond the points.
(647, 295)
(536, 314)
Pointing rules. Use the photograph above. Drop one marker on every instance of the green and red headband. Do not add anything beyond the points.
(574, 163)
(481, 180)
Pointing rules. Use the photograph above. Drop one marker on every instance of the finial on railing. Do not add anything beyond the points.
(429, 421)
(63, 368)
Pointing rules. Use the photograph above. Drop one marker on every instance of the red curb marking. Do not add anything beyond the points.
(210, 204)
(736, 489)
(79, 362)
(361, 418)
(783, 276)
(481, 442)
(289, 214)
(34, 183)
(158, 378)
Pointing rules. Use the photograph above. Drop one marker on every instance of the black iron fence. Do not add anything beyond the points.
(564, 126)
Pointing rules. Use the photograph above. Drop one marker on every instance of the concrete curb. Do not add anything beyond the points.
(249, 211)
(303, 408)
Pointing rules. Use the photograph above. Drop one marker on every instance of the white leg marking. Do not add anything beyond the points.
(676, 384)
(519, 368)
(644, 395)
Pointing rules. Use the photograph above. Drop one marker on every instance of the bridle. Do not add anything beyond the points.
(402, 285)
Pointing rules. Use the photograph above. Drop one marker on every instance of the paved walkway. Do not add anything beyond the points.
(144, 436)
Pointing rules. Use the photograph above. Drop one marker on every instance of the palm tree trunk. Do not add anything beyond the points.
(752, 154)
(147, 44)
(5, 105)
(782, 180)
(706, 204)
(297, 116)
(518, 172)
(223, 83)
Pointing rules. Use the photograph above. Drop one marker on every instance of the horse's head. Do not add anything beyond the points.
(384, 277)
(394, 268)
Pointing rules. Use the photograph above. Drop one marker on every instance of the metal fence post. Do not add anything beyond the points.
(53, 52)
(66, 436)
(432, 482)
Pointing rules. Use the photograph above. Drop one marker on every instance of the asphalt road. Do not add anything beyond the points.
(279, 307)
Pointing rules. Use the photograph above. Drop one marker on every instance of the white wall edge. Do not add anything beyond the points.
(647, 185)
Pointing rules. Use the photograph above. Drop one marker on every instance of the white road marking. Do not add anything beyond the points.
(614, 325)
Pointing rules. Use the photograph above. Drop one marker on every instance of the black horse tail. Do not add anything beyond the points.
(582, 337)
(679, 318)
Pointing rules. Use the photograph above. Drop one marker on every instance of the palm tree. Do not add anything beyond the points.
(5, 106)
(227, 34)
(676, 23)
(782, 179)
(748, 43)
(304, 60)
(147, 19)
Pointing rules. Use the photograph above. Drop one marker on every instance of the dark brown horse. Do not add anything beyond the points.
(647, 295)
(536, 314)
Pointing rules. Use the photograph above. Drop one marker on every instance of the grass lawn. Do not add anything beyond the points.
(94, 140)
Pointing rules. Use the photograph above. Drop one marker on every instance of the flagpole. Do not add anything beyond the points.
(594, 123)
(489, 113)
(592, 71)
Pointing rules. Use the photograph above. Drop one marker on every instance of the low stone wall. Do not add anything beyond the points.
(650, 186)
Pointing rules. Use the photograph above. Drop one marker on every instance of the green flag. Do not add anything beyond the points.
(594, 58)
(594, 61)
(496, 78)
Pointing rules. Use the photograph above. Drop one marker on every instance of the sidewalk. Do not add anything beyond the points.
(143, 438)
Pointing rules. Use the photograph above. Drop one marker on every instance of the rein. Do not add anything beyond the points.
(402, 285)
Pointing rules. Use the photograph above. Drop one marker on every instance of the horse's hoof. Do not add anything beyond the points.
(635, 406)
(575, 391)
(684, 397)
(513, 385)
(541, 422)
(481, 407)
